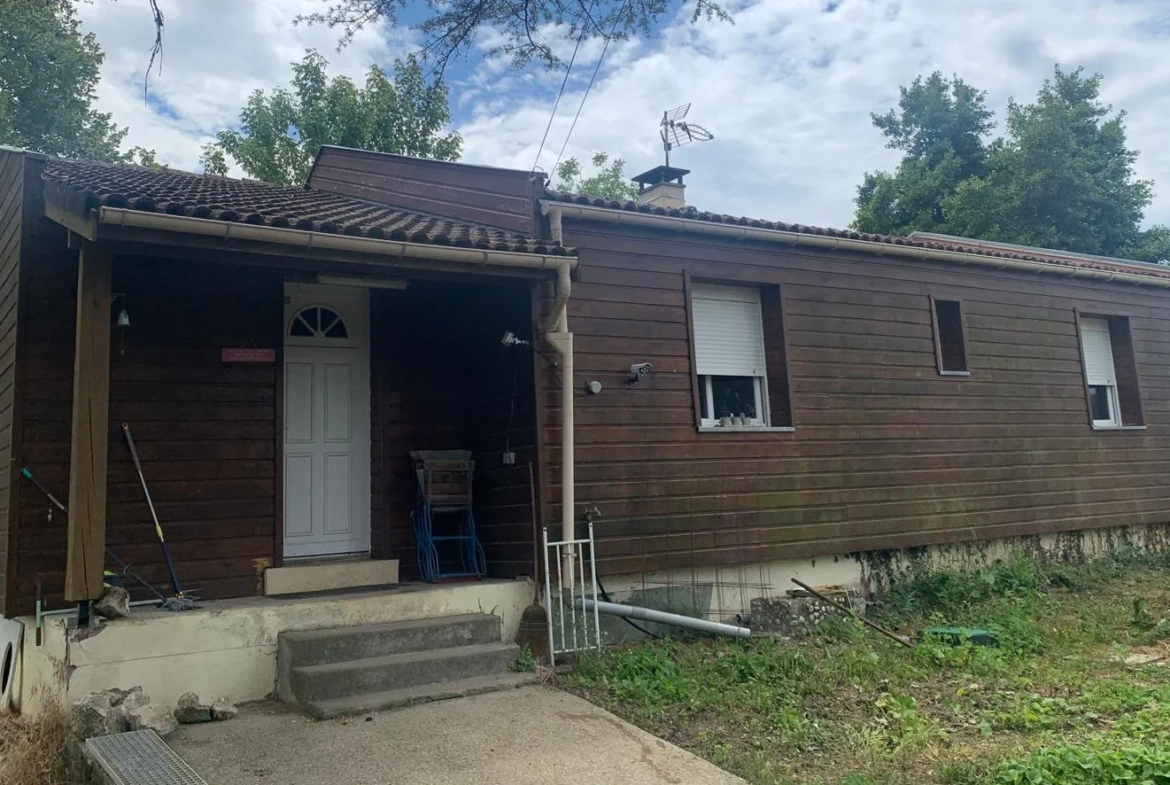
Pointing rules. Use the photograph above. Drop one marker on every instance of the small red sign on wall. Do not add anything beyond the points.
(247, 355)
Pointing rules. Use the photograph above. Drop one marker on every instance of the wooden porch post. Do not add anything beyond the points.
(90, 433)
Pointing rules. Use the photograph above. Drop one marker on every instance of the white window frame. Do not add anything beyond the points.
(1091, 326)
(758, 375)
(760, 385)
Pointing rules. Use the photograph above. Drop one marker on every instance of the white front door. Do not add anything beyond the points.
(326, 421)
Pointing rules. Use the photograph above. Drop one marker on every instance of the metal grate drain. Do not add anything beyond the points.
(139, 758)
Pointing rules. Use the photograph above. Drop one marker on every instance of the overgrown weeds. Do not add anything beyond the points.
(846, 706)
(39, 752)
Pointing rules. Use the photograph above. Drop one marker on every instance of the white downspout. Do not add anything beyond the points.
(558, 336)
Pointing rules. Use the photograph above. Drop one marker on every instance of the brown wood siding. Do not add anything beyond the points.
(12, 220)
(442, 381)
(497, 197)
(205, 430)
(886, 453)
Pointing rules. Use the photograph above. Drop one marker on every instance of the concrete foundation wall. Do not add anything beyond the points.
(725, 592)
(227, 648)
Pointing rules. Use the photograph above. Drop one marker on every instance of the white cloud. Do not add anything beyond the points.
(215, 53)
(787, 89)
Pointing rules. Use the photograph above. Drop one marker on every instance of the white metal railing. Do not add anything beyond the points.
(571, 627)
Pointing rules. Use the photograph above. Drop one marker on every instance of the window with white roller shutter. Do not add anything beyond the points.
(1100, 371)
(729, 355)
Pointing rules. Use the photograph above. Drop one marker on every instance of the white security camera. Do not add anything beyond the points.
(638, 371)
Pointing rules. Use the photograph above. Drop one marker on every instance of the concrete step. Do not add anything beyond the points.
(409, 696)
(317, 647)
(327, 681)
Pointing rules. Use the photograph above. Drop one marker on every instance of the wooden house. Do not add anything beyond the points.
(742, 393)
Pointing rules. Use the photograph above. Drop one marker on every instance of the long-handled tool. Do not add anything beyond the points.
(164, 601)
(854, 614)
(180, 600)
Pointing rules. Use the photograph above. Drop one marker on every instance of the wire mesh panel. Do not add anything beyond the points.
(570, 570)
(139, 758)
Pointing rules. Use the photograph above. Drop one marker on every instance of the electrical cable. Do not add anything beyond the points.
(626, 619)
(589, 87)
(557, 103)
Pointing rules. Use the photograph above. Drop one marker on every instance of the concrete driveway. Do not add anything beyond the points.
(533, 735)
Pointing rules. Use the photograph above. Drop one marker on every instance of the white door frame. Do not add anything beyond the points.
(353, 305)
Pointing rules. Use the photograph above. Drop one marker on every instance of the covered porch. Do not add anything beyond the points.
(276, 376)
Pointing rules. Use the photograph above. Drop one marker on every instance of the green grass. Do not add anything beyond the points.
(1054, 702)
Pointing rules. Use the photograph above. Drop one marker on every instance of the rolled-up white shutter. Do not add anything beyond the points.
(1098, 352)
(729, 330)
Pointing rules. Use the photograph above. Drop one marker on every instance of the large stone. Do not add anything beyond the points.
(223, 709)
(134, 698)
(155, 718)
(97, 716)
(190, 711)
(114, 603)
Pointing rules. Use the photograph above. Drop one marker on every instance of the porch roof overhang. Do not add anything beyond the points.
(109, 221)
(134, 209)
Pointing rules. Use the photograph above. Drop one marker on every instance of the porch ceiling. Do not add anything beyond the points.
(78, 188)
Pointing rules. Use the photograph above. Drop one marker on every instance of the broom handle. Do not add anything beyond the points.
(854, 614)
(150, 503)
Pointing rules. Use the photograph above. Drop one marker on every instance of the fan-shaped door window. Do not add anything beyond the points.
(317, 321)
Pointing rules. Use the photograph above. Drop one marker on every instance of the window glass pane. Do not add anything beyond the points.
(337, 330)
(1099, 403)
(734, 396)
(952, 352)
(703, 396)
(300, 329)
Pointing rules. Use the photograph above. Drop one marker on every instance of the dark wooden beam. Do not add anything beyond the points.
(91, 403)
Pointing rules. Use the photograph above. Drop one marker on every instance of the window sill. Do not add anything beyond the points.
(1119, 427)
(954, 373)
(746, 429)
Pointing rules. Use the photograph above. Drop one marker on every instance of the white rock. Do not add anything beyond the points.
(155, 718)
(223, 709)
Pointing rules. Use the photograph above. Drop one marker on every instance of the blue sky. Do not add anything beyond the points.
(787, 90)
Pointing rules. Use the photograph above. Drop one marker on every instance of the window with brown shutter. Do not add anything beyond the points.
(1111, 378)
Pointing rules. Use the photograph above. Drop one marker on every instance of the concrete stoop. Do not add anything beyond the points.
(351, 670)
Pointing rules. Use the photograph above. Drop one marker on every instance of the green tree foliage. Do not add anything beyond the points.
(1061, 176)
(213, 160)
(143, 157)
(283, 130)
(939, 126)
(48, 72)
(607, 181)
(518, 29)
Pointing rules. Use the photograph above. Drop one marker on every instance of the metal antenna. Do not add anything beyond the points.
(676, 133)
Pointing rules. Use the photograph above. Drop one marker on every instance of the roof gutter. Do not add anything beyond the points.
(227, 230)
(556, 211)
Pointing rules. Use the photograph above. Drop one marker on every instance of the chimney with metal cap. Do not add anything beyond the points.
(663, 187)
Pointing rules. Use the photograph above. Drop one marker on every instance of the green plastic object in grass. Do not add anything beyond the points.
(956, 636)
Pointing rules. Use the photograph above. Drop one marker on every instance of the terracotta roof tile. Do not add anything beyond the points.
(80, 186)
(957, 245)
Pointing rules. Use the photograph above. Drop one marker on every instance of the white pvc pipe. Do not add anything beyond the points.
(662, 617)
(562, 341)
